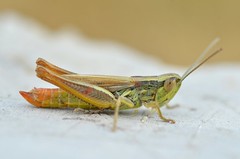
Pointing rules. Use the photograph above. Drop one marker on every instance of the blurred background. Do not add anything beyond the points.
(175, 31)
(109, 37)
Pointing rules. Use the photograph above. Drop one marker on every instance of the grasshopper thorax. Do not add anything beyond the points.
(170, 85)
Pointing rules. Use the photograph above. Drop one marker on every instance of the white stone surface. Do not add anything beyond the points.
(208, 119)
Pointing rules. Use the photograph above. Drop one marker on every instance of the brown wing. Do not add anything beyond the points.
(111, 83)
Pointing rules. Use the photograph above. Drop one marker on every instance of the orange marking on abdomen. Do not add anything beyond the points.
(29, 96)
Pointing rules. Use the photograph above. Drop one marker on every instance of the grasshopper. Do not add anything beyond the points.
(100, 92)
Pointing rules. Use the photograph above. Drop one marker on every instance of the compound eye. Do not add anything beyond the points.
(169, 84)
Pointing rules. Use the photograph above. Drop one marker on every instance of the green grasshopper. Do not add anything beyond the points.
(100, 92)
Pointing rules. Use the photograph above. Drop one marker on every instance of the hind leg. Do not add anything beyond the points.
(55, 69)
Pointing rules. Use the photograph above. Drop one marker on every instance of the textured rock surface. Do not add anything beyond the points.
(208, 119)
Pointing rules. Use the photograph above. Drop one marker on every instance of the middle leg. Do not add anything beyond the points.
(120, 100)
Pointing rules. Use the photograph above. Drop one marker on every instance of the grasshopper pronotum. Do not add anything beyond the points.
(108, 92)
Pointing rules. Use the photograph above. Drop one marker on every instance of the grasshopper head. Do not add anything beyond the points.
(170, 85)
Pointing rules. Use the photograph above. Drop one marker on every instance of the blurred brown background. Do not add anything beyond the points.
(175, 31)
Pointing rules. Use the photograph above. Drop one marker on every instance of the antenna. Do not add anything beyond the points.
(202, 58)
